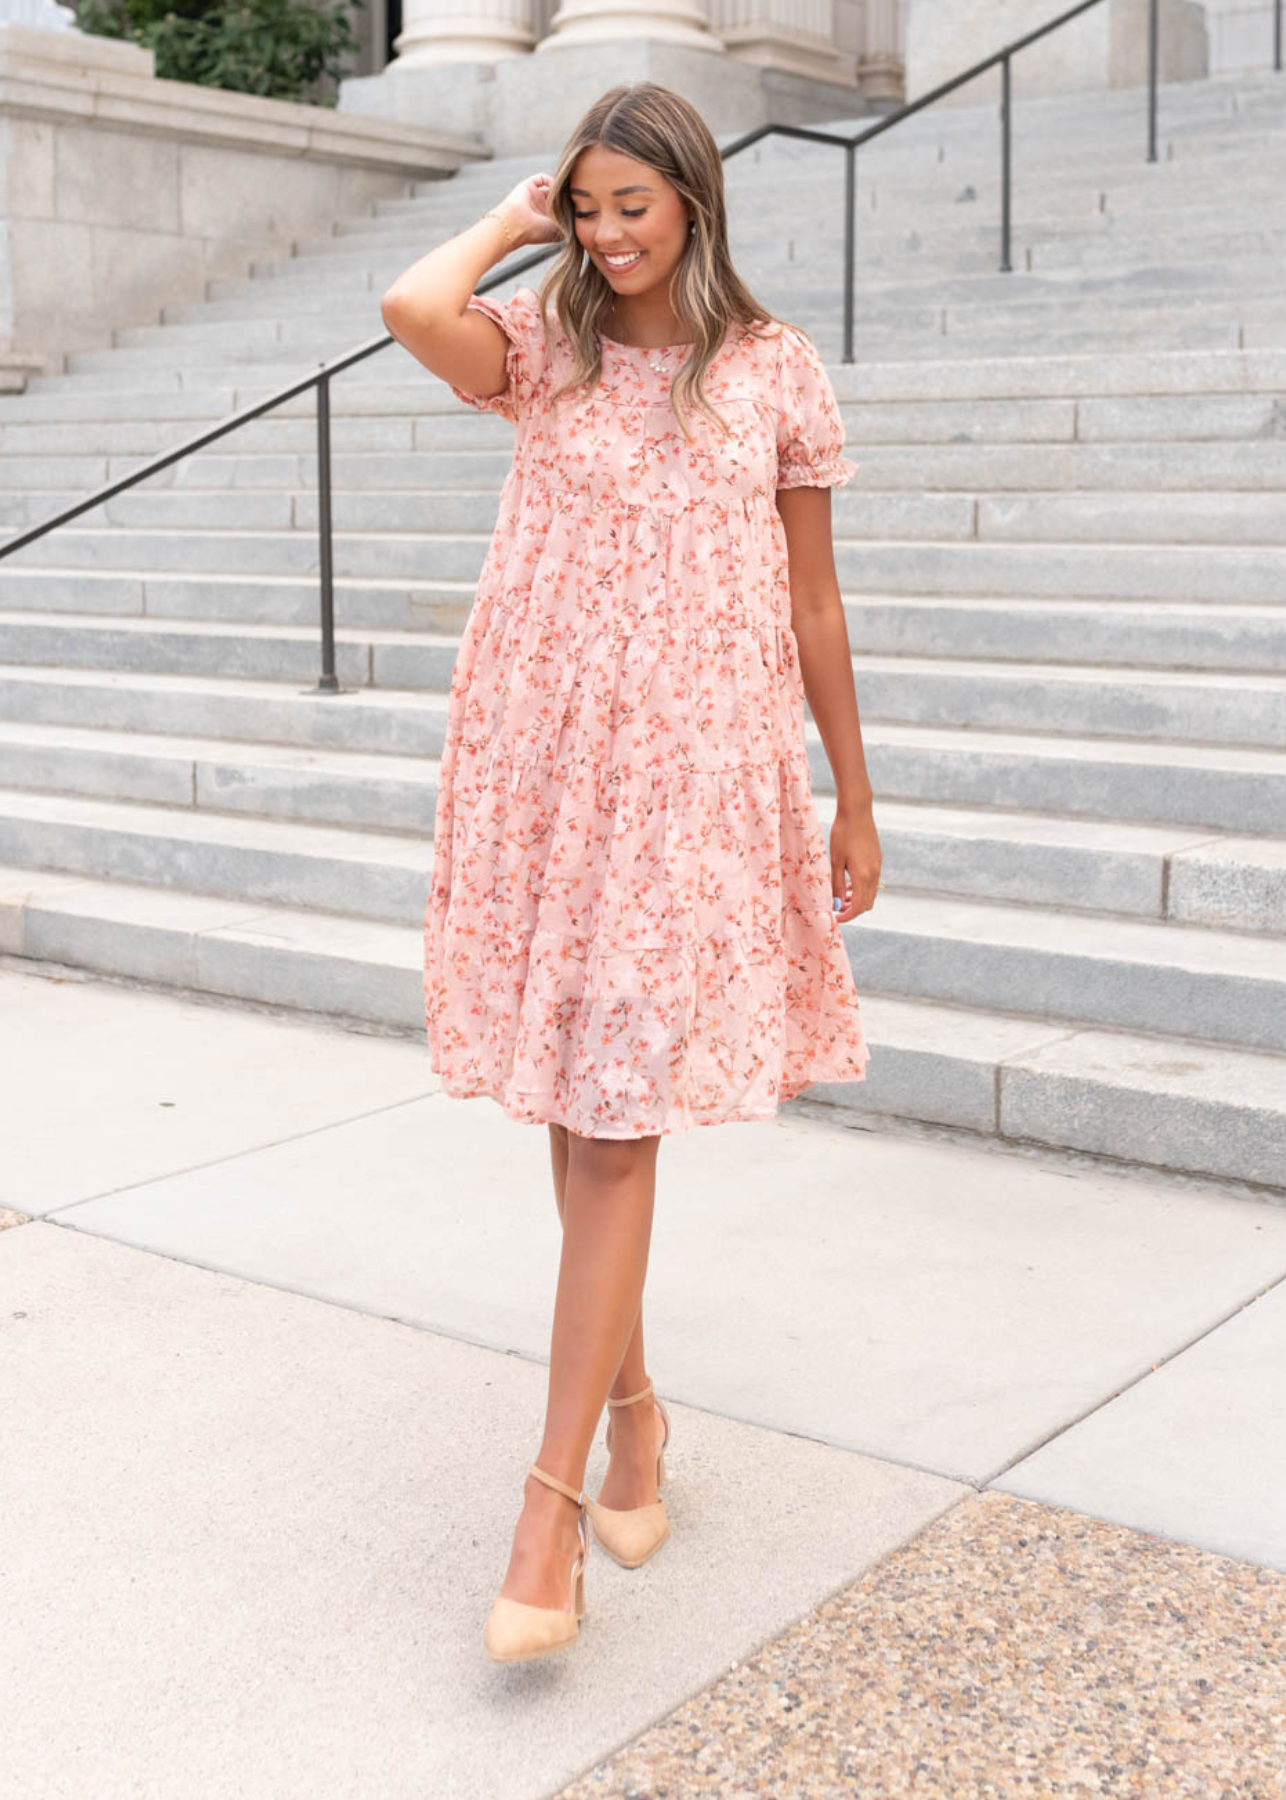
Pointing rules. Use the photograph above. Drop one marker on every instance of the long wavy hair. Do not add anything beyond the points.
(656, 126)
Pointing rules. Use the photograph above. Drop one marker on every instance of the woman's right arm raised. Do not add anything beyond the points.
(427, 308)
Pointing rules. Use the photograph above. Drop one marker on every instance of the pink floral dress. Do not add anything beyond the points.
(629, 928)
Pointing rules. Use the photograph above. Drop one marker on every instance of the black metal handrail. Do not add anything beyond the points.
(328, 682)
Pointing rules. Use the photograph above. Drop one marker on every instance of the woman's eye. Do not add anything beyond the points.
(625, 213)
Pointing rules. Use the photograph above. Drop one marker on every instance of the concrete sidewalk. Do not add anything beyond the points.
(976, 1474)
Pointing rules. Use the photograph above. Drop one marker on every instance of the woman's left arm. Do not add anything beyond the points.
(826, 665)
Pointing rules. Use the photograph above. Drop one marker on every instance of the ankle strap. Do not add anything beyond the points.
(552, 1481)
(631, 1398)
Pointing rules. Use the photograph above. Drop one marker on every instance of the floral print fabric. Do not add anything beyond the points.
(629, 928)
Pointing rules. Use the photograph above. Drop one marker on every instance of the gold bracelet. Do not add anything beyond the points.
(504, 226)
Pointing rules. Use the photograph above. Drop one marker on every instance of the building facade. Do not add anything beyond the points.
(854, 43)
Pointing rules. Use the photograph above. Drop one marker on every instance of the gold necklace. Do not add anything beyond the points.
(658, 350)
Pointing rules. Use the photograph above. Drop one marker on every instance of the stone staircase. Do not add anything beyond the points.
(1063, 559)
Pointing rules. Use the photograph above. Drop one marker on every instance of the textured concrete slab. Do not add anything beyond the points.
(160, 1084)
(1011, 1649)
(1196, 1451)
(250, 1541)
(922, 1300)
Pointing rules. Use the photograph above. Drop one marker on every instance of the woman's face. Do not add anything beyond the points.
(647, 223)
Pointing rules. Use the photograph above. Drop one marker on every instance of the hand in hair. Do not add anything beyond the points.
(526, 206)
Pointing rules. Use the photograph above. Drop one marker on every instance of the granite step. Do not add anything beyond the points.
(1140, 634)
(355, 291)
(1212, 787)
(1026, 305)
(288, 783)
(1234, 575)
(1154, 704)
(859, 511)
(1189, 980)
(1118, 467)
(1183, 1103)
(951, 230)
(419, 412)
(317, 828)
(1182, 379)
(893, 330)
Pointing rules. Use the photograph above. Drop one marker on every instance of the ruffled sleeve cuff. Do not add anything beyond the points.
(810, 428)
(819, 471)
(520, 319)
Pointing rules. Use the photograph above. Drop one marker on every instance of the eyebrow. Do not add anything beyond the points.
(639, 188)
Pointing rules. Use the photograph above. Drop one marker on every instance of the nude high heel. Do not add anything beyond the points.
(632, 1534)
(516, 1631)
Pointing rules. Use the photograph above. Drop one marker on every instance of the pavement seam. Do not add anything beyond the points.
(54, 1215)
(1125, 1388)
(974, 1485)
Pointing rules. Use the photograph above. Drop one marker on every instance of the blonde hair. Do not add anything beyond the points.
(656, 126)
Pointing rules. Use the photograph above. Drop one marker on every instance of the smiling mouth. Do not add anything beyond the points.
(620, 268)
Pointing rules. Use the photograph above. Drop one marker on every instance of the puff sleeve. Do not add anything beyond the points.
(519, 318)
(810, 430)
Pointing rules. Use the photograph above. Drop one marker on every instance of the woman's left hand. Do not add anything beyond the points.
(856, 860)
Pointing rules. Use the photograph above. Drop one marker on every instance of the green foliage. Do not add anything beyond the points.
(277, 48)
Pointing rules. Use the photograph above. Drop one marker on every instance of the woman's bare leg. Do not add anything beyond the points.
(632, 1374)
(631, 1471)
(607, 1203)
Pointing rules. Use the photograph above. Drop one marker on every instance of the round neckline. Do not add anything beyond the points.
(643, 349)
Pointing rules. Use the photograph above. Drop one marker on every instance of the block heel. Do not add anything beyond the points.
(518, 1632)
(631, 1535)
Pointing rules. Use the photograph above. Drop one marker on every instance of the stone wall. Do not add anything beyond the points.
(1241, 35)
(1105, 47)
(120, 192)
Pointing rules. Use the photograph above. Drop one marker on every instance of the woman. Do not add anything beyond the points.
(629, 929)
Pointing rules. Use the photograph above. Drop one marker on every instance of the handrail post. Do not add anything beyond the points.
(850, 234)
(1152, 80)
(1006, 267)
(329, 683)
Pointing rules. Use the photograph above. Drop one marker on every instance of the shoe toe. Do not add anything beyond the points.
(515, 1631)
(632, 1535)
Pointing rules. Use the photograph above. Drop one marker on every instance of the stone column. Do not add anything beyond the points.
(794, 35)
(581, 22)
(881, 67)
(453, 31)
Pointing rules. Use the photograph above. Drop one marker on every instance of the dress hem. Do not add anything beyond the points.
(505, 1101)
